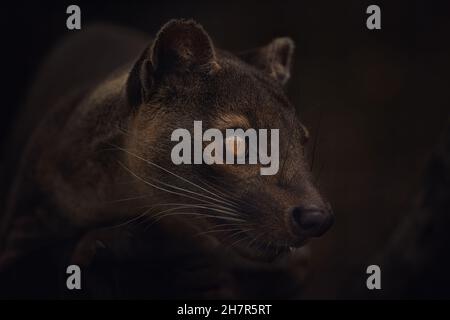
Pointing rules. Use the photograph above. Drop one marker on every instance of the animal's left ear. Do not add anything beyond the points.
(274, 58)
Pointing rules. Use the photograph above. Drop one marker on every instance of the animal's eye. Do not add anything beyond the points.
(236, 146)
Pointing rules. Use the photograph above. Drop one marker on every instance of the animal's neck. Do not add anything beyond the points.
(92, 152)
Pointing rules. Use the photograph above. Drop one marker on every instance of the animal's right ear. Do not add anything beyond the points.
(181, 46)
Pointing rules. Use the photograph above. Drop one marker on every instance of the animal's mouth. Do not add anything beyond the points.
(267, 252)
(262, 250)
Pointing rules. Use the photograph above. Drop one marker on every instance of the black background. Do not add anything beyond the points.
(376, 101)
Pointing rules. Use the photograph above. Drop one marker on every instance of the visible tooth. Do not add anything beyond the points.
(292, 249)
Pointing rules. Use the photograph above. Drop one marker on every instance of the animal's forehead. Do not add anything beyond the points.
(238, 72)
(240, 89)
(245, 87)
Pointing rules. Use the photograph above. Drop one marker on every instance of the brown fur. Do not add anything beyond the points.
(105, 139)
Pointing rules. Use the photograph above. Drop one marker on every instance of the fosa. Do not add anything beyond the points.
(237, 147)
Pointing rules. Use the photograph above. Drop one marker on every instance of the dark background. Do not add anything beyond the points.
(375, 102)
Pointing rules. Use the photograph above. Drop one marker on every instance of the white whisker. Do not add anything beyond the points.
(163, 189)
(168, 171)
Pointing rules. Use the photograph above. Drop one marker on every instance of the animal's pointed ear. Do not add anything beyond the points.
(274, 58)
(183, 45)
(180, 46)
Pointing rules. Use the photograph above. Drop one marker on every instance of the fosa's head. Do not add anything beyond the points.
(182, 78)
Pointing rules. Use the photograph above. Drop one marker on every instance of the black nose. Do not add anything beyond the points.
(310, 221)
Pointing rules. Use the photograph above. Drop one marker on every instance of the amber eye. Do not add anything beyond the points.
(236, 146)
